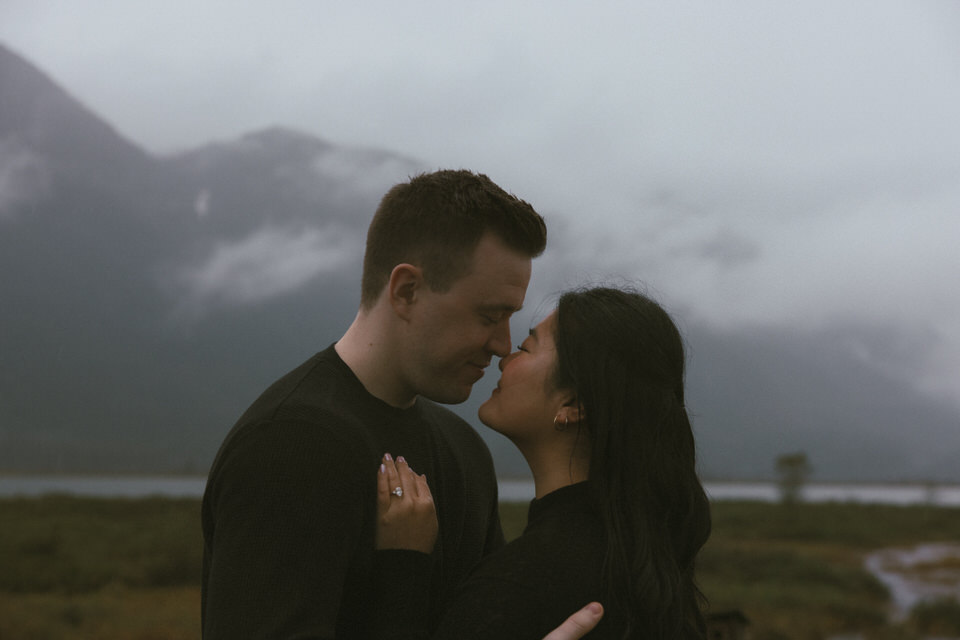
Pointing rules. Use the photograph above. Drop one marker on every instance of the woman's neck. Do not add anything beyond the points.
(554, 469)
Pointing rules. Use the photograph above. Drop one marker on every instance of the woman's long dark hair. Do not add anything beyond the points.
(623, 356)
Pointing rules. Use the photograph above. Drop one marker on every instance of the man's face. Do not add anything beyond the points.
(454, 334)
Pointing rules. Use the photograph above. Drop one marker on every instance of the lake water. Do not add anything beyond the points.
(926, 572)
(516, 490)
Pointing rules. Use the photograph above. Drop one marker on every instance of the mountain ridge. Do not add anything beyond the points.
(150, 298)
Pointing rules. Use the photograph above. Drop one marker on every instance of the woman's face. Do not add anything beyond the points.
(525, 402)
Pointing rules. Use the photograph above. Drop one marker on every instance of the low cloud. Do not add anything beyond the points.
(268, 263)
(366, 171)
(23, 176)
(201, 205)
(730, 249)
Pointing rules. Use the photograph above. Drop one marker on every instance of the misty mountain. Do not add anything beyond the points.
(148, 299)
(757, 394)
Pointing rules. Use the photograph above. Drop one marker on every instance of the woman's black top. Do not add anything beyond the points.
(523, 591)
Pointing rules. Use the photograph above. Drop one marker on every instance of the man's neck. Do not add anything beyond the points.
(368, 353)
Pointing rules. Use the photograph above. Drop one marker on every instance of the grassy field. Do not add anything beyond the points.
(93, 568)
(798, 572)
(111, 569)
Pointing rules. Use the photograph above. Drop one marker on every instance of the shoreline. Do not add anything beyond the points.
(512, 489)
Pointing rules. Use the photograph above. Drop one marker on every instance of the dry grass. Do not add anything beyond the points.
(112, 569)
(110, 613)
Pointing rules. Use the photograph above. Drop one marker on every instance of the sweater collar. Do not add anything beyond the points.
(365, 396)
(573, 497)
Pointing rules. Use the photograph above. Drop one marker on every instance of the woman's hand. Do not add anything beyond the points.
(406, 516)
(579, 624)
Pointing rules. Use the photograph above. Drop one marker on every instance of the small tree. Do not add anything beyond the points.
(793, 469)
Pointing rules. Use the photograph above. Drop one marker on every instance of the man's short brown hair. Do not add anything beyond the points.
(436, 220)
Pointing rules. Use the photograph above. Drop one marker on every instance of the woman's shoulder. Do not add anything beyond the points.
(569, 548)
(528, 587)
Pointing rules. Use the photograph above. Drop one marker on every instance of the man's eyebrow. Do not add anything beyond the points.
(504, 308)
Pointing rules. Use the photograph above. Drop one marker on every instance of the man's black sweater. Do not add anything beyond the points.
(289, 512)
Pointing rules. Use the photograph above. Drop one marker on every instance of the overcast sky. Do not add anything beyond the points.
(757, 163)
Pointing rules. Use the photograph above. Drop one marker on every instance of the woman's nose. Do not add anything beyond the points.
(504, 359)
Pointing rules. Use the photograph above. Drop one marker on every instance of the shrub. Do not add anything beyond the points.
(939, 617)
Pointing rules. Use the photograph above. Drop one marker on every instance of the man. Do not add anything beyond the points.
(289, 513)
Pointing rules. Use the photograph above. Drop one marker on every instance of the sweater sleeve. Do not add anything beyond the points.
(288, 516)
(401, 594)
(493, 609)
(483, 609)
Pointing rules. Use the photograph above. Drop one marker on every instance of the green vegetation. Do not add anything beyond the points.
(78, 545)
(105, 569)
(939, 618)
(796, 571)
(94, 568)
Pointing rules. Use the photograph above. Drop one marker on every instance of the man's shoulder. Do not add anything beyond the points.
(311, 408)
(321, 384)
(323, 437)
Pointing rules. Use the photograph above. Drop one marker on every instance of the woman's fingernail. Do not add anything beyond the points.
(383, 468)
(400, 459)
(387, 457)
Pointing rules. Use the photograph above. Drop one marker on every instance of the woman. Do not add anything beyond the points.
(594, 399)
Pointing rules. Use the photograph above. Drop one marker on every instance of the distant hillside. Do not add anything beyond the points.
(147, 301)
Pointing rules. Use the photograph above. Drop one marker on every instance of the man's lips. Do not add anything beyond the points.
(478, 369)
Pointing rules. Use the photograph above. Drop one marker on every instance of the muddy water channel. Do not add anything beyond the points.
(922, 573)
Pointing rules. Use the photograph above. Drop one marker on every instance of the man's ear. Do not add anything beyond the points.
(403, 288)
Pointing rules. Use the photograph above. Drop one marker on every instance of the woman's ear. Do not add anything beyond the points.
(403, 288)
(571, 411)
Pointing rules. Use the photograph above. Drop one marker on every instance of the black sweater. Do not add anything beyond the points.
(289, 510)
(521, 592)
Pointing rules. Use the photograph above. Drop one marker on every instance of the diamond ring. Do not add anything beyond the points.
(397, 492)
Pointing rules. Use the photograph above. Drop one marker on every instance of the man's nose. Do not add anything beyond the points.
(499, 343)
